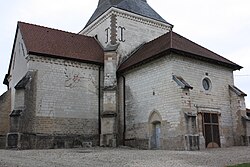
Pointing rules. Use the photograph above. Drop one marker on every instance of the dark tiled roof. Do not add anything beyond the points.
(24, 81)
(181, 82)
(237, 90)
(139, 7)
(51, 42)
(173, 42)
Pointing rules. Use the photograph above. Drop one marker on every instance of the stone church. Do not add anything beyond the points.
(125, 79)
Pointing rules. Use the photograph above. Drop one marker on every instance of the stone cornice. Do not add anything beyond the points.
(141, 19)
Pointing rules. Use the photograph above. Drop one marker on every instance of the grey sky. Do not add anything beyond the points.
(222, 26)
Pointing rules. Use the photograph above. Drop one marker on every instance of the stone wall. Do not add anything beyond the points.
(215, 100)
(137, 30)
(47, 141)
(5, 108)
(5, 104)
(68, 91)
(127, 29)
(150, 87)
(100, 30)
(120, 118)
(238, 109)
(27, 117)
(60, 105)
(18, 68)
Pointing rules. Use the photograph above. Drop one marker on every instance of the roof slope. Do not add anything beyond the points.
(173, 42)
(139, 7)
(51, 42)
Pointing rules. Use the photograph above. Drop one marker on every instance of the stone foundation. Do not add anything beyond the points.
(137, 143)
(2, 141)
(192, 142)
(45, 141)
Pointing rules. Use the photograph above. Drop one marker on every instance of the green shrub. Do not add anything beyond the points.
(241, 165)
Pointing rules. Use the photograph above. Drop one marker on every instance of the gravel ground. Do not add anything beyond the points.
(107, 157)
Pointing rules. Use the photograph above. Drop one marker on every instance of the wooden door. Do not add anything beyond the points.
(211, 130)
(156, 143)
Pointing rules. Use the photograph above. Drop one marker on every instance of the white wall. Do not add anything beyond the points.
(65, 89)
(18, 67)
(138, 29)
(156, 77)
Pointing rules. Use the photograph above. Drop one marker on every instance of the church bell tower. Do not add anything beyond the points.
(126, 23)
(120, 26)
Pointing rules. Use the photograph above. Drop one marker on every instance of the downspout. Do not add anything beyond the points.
(99, 102)
(124, 109)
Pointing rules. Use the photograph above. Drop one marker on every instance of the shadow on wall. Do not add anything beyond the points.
(5, 108)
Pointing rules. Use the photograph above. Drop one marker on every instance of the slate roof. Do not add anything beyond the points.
(172, 42)
(139, 7)
(60, 44)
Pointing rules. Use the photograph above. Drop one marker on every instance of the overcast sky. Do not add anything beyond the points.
(222, 26)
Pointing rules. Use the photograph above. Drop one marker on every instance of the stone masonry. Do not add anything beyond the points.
(137, 30)
(163, 95)
(125, 79)
(5, 101)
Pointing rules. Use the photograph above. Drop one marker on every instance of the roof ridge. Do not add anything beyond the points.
(142, 46)
(173, 42)
(201, 47)
(132, 53)
(161, 36)
(54, 29)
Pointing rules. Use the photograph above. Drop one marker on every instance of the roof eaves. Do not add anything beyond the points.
(162, 21)
(172, 50)
(237, 67)
(97, 15)
(237, 90)
(5, 81)
(199, 57)
(129, 67)
(24, 81)
(11, 57)
(181, 82)
(62, 57)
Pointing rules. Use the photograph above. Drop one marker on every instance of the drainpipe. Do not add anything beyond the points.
(99, 101)
(124, 109)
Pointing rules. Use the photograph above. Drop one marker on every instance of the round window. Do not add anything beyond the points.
(206, 84)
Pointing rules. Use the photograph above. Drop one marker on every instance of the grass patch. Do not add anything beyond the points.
(241, 165)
